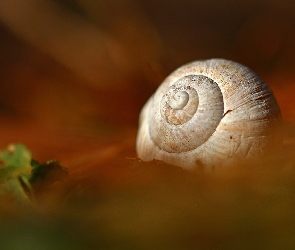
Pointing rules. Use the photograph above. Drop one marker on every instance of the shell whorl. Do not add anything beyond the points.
(174, 125)
(208, 112)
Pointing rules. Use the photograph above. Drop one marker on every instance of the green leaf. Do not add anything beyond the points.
(19, 172)
(15, 169)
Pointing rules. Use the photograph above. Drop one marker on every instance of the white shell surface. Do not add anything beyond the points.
(209, 113)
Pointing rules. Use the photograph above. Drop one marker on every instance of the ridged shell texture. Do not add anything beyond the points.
(209, 113)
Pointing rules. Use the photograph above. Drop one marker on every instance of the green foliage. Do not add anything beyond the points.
(15, 169)
(19, 171)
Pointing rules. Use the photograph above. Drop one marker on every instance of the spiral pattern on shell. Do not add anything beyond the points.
(209, 113)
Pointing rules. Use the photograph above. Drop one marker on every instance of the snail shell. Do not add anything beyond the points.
(209, 113)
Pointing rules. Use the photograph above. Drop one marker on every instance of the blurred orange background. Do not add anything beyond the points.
(75, 74)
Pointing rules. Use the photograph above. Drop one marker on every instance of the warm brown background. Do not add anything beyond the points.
(73, 78)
